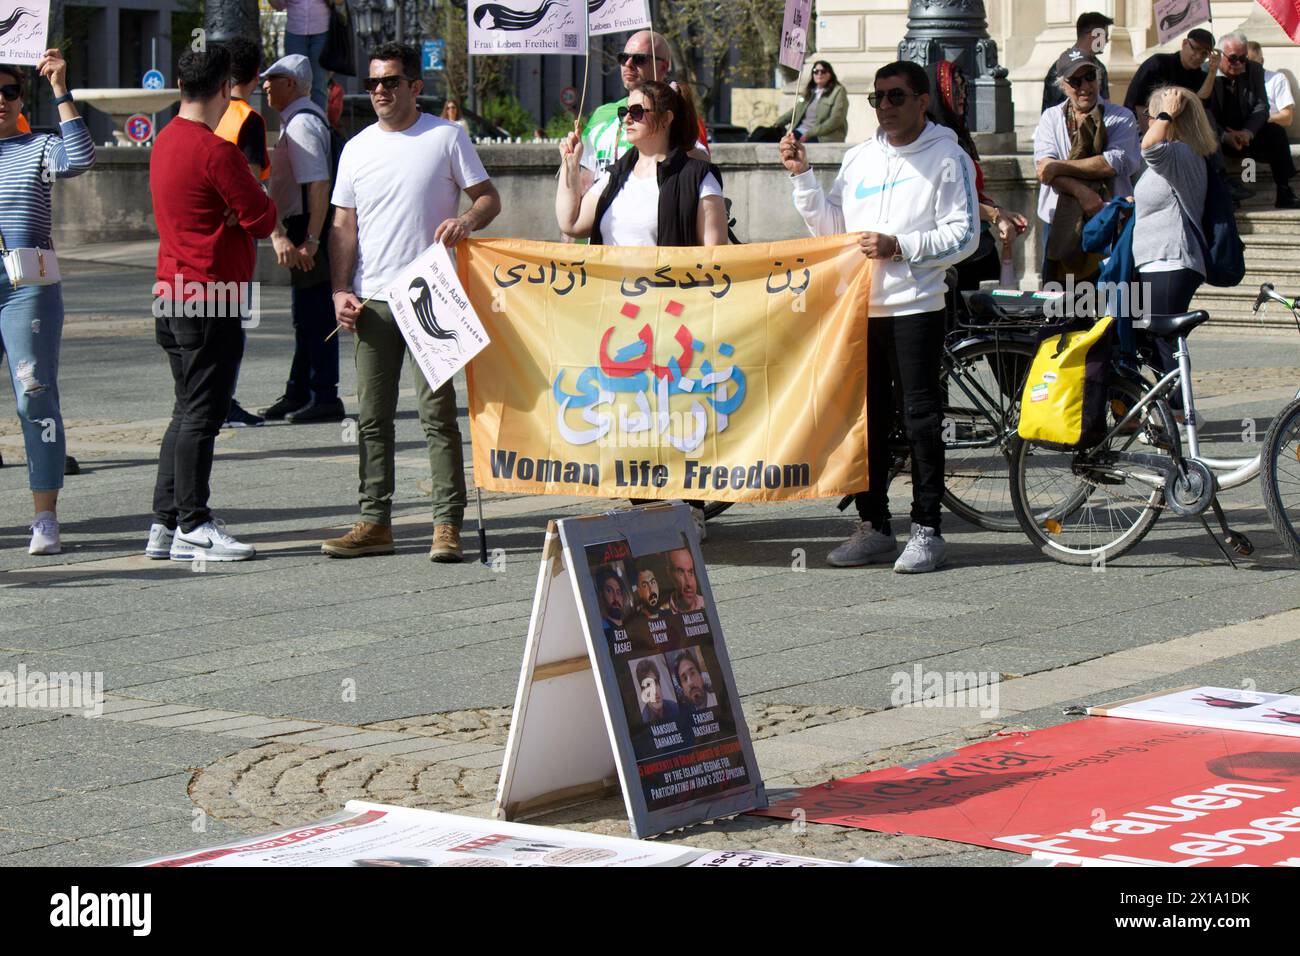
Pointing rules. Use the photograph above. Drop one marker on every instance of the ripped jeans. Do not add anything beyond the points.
(31, 327)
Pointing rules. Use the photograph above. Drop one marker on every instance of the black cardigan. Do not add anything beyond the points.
(679, 177)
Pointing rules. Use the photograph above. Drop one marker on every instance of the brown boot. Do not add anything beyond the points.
(364, 538)
(446, 544)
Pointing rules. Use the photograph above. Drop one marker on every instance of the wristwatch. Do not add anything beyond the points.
(898, 251)
(65, 98)
(309, 240)
(1162, 115)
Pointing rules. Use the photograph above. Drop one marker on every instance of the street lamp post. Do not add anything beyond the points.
(957, 30)
(226, 19)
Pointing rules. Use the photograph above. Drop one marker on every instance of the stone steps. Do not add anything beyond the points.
(1272, 240)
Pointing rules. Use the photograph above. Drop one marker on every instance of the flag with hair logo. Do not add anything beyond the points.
(728, 373)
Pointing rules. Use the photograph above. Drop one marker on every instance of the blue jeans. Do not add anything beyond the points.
(311, 47)
(31, 328)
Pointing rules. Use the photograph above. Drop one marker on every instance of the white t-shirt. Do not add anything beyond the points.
(402, 185)
(632, 219)
(1279, 91)
(301, 155)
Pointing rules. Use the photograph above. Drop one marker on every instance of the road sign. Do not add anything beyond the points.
(139, 128)
(153, 80)
(434, 55)
(569, 97)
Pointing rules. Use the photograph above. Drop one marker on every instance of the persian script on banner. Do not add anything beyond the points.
(24, 25)
(617, 16)
(527, 26)
(728, 373)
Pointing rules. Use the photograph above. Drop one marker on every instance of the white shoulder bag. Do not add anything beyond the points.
(30, 266)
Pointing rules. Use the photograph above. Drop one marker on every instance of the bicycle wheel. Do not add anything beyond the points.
(1082, 508)
(1279, 473)
(981, 384)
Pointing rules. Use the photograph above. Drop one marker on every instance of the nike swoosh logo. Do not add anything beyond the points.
(863, 192)
(206, 545)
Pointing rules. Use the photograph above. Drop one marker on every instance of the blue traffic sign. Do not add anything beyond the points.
(154, 80)
(433, 55)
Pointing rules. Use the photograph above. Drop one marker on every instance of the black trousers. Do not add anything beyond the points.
(1167, 293)
(204, 354)
(314, 373)
(1270, 146)
(904, 358)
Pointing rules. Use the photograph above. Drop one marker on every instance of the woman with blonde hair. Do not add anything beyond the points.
(1169, 200)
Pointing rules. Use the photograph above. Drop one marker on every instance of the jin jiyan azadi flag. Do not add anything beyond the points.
(729, 373)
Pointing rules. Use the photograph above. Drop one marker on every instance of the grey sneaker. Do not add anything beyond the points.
(866, 546)
(925, 551)
(159, 546)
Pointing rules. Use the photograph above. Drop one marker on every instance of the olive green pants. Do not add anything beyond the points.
(380, 350)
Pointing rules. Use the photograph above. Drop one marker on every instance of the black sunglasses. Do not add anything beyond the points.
(636, 111)
(1077, 81)
(11, 91)
(1237, 59)
(636, 59)
(896, 97)
(388, 82)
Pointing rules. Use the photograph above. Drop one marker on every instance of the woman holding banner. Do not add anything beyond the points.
(655, 194)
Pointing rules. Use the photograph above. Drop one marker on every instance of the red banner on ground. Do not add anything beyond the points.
(1122, 790)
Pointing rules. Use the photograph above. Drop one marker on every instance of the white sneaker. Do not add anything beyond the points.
(159, 546)
(698, 515)
(209, 542)
(865, 546)
(926, 551)
(45, 534)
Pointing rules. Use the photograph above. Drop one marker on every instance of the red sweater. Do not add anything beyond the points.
(196, 178)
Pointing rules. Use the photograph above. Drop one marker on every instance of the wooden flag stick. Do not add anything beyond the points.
(793, 106)
(337, 327)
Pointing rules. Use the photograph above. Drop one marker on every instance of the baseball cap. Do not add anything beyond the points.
(295, 65)
(1073, 60)
(1204, 37)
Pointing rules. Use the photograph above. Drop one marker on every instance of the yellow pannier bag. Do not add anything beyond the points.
(1064, 401)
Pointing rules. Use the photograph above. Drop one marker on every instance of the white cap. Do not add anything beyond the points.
(295, 65)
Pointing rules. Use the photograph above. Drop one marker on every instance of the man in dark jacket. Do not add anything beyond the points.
(1239, 105)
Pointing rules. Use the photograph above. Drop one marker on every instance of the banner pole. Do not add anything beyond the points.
(337, 327)
(582, 103)
(482, 531)
(794, 103)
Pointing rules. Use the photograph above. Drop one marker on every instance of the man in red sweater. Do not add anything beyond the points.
(207, 209)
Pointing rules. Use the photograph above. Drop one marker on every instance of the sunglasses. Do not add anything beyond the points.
(636, 59)
(1077, 82)
(636, 111)
(1237, 59)
(11, 91)
(820, 70)
(896, 97)
(389, 83)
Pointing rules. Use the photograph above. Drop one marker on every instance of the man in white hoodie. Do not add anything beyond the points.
(910, 191)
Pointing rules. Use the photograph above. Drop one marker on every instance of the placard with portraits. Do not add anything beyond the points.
(672, 715)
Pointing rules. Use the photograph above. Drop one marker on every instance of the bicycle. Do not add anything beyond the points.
(1092, 505)
(985, 359)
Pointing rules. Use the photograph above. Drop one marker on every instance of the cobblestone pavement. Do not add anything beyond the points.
(271, 692)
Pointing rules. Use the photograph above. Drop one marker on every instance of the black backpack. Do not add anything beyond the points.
(1221, 245)
(298, 229)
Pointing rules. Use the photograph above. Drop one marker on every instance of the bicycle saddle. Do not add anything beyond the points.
(1171, 326)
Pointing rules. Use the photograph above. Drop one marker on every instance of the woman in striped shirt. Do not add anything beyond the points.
(31, 316)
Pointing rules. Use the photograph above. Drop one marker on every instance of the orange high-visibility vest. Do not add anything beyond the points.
(232, 122)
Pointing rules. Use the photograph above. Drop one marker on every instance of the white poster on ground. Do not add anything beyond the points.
(617, 16)
(1175, 17)
(24, 25)
(518, 27)
(373, 835)
(1226, 708)
(441, 328)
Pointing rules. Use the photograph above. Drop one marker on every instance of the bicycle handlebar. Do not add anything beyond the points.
(1268, 294)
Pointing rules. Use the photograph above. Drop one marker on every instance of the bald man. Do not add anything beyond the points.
(645, 57)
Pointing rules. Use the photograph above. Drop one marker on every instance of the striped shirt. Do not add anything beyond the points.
(26, 217)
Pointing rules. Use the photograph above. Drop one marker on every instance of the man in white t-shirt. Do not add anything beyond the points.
(1281, 104)
(398, 190)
